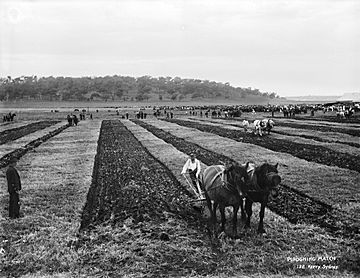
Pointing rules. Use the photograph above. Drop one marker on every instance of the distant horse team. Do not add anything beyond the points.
(259, 126)
(228, 185)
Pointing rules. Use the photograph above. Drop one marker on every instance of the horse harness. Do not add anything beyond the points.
(226, 184)
(224, 181)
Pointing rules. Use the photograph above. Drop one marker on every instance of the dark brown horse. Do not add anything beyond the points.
(223, 186)
(262, 183)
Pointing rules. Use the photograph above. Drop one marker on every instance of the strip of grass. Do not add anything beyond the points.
(55, 178)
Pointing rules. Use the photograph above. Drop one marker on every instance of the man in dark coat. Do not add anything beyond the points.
(14, 186)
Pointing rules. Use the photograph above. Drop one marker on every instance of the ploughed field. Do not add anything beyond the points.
(129, 182)
(137, 215)
(131, 186)
(296, 205)
(291, 203)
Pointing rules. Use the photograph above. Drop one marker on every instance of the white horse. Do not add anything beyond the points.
(263, 125)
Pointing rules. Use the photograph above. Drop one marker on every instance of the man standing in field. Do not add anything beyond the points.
(193, 168)
(14, 186)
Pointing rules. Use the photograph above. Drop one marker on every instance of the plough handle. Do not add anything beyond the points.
(192, 187)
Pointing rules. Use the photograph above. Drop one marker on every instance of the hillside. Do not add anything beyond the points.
(124, 88)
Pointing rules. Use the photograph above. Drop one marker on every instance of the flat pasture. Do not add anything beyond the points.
(106, 199)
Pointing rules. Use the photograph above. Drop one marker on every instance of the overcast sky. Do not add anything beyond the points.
(288, 47)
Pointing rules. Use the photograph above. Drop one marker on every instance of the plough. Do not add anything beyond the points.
(198, 192)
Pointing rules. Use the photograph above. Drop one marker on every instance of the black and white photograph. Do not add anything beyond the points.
(179, 138)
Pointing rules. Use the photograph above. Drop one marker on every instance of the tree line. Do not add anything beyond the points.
(123, 88)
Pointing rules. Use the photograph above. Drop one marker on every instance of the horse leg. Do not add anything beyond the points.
(223, 219)
(235, 209)
(214, 212)
(248, 208)
(209, 205)
(213, 218)
(261, 223)
(243, 214)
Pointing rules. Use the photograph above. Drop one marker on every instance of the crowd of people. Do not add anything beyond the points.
(287, 111)
(230, 111)
(74, 120)
(141, 115)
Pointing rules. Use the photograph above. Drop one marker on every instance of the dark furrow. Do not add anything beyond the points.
(292, 204)
(319, 139)
(328, 119)
(352, 132)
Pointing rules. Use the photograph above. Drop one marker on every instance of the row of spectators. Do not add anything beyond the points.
(289, 110)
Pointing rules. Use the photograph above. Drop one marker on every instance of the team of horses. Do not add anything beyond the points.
(237, 185)
(230, 185)
(258, 126)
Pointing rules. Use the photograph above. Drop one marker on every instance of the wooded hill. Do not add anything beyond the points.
(123, 88)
